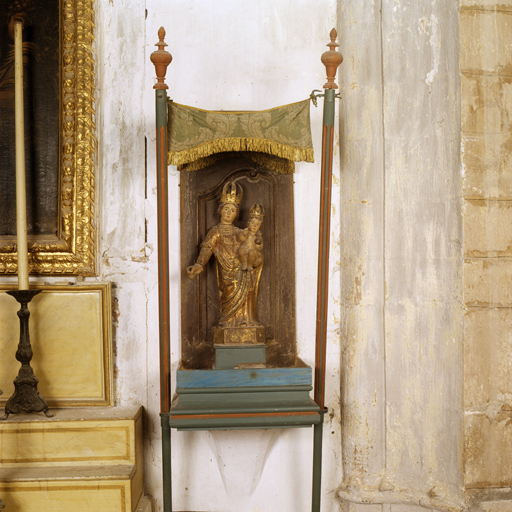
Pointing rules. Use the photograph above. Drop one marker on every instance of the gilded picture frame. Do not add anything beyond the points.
(71, 251)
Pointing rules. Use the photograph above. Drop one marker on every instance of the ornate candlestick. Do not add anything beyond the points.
(25, 398)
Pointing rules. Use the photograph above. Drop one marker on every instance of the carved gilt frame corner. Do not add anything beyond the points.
(72, 251)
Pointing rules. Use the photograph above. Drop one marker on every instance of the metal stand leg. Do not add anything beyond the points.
(166, 461)
(317, 464)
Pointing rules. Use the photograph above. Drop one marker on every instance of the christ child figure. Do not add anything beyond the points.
(250, 252)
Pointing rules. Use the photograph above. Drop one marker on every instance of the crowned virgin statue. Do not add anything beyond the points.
(237, 282)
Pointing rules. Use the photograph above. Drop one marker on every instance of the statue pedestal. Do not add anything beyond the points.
(228, 357)
(244, 398)
(238, 335)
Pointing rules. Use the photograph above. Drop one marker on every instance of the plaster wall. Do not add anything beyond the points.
(233, 56)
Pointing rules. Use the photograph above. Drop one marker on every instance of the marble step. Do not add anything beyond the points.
(108, 436)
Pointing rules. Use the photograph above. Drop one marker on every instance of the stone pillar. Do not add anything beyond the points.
(402, 253)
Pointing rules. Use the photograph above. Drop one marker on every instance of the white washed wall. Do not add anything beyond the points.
(226, 55)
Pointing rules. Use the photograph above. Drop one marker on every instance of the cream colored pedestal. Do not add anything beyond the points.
(79, 460)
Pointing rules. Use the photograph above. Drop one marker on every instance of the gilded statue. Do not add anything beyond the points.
(239, 256)
(250, 253)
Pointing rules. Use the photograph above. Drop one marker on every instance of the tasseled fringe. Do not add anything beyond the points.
(240, 144)
(271, 162)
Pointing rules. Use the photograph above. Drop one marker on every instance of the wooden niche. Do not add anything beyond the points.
(200, 195)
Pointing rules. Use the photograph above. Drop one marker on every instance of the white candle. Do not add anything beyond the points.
(21, 197)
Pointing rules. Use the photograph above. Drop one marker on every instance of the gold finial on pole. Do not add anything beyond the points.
(161, 59)
(331, 60)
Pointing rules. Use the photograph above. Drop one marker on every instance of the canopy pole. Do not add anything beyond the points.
(331, 59)
(161, 59)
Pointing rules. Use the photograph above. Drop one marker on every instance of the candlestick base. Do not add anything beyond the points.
(25, 398)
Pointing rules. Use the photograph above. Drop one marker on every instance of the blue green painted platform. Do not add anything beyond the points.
(243, 398)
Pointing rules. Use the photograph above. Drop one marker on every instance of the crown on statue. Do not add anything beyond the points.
(231, 193)
(256, 211)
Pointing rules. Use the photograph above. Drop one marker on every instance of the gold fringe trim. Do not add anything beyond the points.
(271, 162)
(240, 144)
(235, 112)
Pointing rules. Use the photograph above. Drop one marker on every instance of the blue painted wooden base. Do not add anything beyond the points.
(229, 356)
(244, 398)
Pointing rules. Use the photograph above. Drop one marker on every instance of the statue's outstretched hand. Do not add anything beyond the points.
(194, 270)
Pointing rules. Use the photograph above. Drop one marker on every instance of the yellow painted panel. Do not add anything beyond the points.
(70, 335)
(137, 480)
(88, 496)
(67, 444)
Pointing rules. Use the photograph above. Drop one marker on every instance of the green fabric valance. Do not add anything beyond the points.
(195, 134)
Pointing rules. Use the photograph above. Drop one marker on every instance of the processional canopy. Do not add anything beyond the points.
(195, 134)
